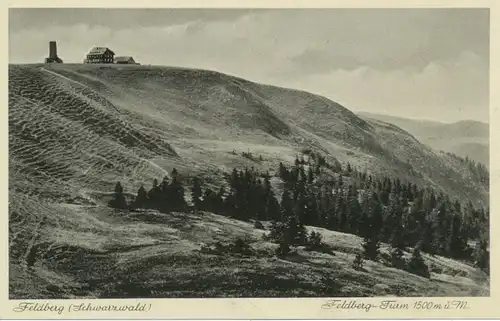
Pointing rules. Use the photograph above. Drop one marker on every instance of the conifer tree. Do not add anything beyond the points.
(271, 205)
(141, 198)
(314, 240)
(441, 232)
(164, 186)
(310, 175)
(118, 201)
(371, 246)
(196, 193)
(398, 246)
(353, 208)
(219, 201)
(427, 242)
(283, 248)
(416, 265)
(295, 231)
(178, 203)
(163, 195)
(286, 205)
(154, 195)
(317, 170)
(482, 255)
(207, 203)
(457, 242)
(283, 172)
(357, 264)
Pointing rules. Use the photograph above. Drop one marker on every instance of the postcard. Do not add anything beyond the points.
(250, 159)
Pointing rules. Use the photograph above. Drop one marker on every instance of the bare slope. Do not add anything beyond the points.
(74, 130)
(464, 138)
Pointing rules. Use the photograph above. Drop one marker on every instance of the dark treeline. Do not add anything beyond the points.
(378, 209)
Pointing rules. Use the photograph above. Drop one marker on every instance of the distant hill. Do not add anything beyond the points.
(75, 130)
(466, 138)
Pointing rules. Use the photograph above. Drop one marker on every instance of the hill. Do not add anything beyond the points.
(466, 138)
(75, 130)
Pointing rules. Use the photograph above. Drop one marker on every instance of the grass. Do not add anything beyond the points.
(75, 130)
(135, 257)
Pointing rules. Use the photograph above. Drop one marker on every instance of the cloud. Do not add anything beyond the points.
(450, 90)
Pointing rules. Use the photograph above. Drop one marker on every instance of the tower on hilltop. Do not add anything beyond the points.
(53, 53)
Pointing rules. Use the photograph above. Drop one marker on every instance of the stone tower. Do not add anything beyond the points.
(53, 53)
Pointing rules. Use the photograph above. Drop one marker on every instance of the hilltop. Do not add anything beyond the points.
(75, 130)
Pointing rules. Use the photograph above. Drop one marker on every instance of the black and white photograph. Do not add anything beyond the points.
(248, 153)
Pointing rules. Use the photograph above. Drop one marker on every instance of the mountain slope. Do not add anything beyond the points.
(74, 130)
(465, 138)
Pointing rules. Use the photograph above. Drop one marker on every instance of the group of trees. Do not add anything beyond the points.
(379, 209)
(165, 196)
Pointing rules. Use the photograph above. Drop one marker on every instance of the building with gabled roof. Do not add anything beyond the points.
(125, 60)
(100, 55)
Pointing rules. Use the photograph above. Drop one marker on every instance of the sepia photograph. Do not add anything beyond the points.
(248, 153)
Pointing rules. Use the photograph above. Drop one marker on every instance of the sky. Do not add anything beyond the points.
(416, 63)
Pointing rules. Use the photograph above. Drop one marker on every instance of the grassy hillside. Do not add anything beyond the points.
(464, 138)
(74, 130)
(126, 256)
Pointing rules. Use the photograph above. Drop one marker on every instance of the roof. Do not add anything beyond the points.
(100, 51)
(124, 58)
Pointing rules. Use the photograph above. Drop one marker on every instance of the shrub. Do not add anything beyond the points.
(436, 269)
(371, 246)
(314, 240)
(248, 155)
(239, 246)
(283, 249)
(242, 247)
(276, 232)
(357, 264)
(417, 265)
(258, 225)
(397, 259)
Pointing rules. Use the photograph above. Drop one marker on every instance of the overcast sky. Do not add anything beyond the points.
(417, 63)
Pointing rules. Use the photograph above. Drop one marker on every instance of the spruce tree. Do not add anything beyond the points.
(283, 248)
(271, 205)
(310, 175)
(371, 247)
(118, 201)
(416, 265)
(283, 172)
(154, 195)
(219, 201)
(457, 242)
(357, 264)
(196, 193)
(353, 210)
(176, 195)
(314, 240)
(163, 195)
(296, 231)
(482, 255)
(441, 231)
(141, 198)
(286, 205)
(398, 246)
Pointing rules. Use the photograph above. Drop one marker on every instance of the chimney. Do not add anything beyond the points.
(52, 50)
